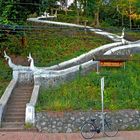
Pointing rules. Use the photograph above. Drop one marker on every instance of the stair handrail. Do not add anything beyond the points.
(30, 107)
(5, 97)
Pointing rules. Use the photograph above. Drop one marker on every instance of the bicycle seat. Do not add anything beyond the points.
(93, 120)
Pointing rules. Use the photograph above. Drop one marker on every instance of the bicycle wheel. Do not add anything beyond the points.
(110, 129)
(88, 130)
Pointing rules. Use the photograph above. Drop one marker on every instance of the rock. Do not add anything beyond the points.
(43, 123)
(72, 118)
(53, 126)
(59, 123)
(69, 130)
(55, 131)
(54, 122)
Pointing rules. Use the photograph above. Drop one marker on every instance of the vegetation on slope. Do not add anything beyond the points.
(5, 76)
(51, 45)
(48, 46)
(121, 91)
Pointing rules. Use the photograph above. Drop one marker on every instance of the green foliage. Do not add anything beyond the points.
(18, 10)
(28, 126)
(5, 76)
(69, 96)
(112, 12)
(48, 48)
(121, 91)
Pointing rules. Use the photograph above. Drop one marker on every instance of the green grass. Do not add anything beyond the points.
(48, 47)
(5, 76)
(121, 91)
(51, 46)
(133, 35)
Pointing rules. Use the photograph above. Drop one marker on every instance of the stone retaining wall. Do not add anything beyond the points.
(55, 79)
(72, 121)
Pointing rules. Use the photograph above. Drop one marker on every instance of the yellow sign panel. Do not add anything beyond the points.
(111, 64)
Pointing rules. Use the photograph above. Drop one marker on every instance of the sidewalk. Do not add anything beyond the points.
(123, 135)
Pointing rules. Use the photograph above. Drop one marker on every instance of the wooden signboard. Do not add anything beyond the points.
(111, 60)
(111, 64)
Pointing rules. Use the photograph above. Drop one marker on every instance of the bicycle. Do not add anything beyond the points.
(90, 127)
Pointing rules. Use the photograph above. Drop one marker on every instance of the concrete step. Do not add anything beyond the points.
(19, 113)
(19, 91)
(16, 126)
(13, 124)
(14, 118)
(16, 109)
(18, 130)
(23, 88)
(11, 129)
(14, 105)
(20, 100)
(23, 96)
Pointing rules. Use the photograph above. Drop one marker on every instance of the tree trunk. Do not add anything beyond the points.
(122, 20)
(77, 12)
(23, 41)
(96, 19)
(77, 20)
(130, 19)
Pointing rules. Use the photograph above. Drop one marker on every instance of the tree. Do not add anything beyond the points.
(127, 8)
(18, 10)
(93, 9)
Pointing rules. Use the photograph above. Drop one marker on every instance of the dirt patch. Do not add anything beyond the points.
(20, 60)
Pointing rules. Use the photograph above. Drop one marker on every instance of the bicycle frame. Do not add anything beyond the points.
(98, 127)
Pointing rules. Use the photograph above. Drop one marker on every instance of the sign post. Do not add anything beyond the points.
(102, 100)
(97, 69)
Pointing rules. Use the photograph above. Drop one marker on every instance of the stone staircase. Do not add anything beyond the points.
(14, 117)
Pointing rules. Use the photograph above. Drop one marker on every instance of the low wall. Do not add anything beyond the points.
(124, 50)
(30, 107)
(25, 77)
(63, 76)
(72, 121)
(5, 97)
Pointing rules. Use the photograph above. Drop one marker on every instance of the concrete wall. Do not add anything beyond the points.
(25, 77)
(64, 76)
(72, 121)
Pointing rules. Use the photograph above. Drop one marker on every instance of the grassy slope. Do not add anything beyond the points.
(59, 45)
(48, 46)
(5, 76)
(121, 91)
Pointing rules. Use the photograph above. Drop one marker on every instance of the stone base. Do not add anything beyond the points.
(56, 122)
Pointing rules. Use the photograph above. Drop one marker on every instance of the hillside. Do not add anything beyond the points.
(121, 91)
(48, 45)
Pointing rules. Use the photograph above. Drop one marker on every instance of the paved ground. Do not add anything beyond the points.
(124, 135)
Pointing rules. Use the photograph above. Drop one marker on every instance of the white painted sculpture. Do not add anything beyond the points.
(122, 36)
(47, 15)
(14, 66)
(32, 66)
(10, 63)
(123, 47)
(35, 69)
